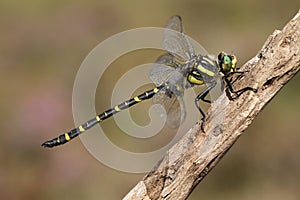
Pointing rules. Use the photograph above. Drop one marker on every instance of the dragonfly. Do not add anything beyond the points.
(175, 71)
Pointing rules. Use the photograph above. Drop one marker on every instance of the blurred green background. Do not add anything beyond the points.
(42, 45)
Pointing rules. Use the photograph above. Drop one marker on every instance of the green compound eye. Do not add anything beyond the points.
(227, 61)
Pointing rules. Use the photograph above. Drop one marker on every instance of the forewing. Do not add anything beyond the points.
(175, 41)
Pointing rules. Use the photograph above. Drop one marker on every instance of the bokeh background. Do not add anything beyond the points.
(42, 44)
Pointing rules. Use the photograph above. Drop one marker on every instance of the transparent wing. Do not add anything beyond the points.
(172, 108)
(162, 69)
(175, 41)
(171, 70)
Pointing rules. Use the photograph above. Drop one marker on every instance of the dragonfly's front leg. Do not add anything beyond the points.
(237, 92)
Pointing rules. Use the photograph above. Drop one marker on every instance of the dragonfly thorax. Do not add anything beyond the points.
(205, 70)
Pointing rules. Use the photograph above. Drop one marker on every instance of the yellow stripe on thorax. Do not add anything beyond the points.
(205, 71)
(193, 80)
(208, 60)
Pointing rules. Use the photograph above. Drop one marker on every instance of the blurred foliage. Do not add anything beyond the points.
(42, 44)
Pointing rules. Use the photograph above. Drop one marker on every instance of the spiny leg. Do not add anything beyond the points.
(202, 96)
(66, 137)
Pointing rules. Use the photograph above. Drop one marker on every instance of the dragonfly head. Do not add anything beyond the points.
(227, 63)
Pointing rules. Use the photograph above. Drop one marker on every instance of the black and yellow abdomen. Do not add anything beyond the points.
(64, 138)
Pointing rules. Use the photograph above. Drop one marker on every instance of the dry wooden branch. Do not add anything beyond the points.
(188, 161)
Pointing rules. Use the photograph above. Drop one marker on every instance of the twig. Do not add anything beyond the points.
(196, 154)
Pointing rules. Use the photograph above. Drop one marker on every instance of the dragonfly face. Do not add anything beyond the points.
(227, 63)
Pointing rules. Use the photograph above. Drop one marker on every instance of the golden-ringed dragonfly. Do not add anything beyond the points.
(174, 72)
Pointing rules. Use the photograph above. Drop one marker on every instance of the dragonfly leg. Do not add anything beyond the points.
(202, 96)
(237, 92)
